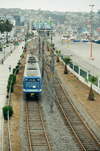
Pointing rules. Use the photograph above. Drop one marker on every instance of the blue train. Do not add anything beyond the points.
(32, 76)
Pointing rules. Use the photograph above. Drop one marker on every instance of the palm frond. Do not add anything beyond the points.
(67, 60)
(86, 80)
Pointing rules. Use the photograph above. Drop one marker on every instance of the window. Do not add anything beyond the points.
(32, 83)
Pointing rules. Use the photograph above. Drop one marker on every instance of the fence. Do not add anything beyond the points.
(79, 72)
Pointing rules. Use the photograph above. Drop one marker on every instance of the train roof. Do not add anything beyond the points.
(32, 66)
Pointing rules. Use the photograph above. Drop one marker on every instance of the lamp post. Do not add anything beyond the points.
(51, 32)
(67, 16)
(4, 52)
(91, 29)
(10, 47)
(68, 32)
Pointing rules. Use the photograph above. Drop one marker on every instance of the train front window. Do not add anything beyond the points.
(32, 83)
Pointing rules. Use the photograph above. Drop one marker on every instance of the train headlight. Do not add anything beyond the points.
(38, 79)
(34, 86)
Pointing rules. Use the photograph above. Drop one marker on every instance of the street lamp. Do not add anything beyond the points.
(10, 48)
(4, 52)
(51, 31)
(68, 32)
(91, 29)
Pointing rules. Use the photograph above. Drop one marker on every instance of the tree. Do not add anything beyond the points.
(8, 27)
(47, 45)
(2, 26)
(58, 52)
(67, 60)
(93, 80)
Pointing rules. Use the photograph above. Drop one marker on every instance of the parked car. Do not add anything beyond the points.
(4, 46)
(0, 48)
(11, 40)
(7, 45)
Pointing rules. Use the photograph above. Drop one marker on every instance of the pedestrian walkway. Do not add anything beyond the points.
(4, 74)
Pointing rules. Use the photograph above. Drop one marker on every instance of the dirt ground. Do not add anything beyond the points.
(79, 90)
(15, 103)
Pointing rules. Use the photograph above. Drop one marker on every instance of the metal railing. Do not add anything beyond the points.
(9, 140)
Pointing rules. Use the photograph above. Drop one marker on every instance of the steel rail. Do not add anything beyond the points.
(77, 112)
(77, 115)
(69, 123)
(67, 118)
(27, 119)
(44, 127)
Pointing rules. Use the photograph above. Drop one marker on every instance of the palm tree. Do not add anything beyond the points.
(58, 52)
(67, 60)
(8, 27)
(93, 80)
(47, 45)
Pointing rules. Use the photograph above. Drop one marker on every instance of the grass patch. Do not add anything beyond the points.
(77, 86)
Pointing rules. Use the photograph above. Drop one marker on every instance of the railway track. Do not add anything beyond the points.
(37, 134)
(81, 131)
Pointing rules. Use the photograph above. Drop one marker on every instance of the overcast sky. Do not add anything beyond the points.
(53, 5)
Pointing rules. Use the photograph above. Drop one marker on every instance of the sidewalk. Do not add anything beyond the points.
(4, 74)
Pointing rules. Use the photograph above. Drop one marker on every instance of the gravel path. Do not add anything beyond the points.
(61, 136)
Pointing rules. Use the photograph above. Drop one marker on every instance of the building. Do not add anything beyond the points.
(19, 25)
(19, 20)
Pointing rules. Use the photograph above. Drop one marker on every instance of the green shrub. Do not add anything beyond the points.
(17, 66)
(48, 42)
(15, 70)
(9, 82)
(12, 78)
(52, 45)
(8, 88)
(22, 56)
(7, 96)
(5, 110)
(19, 63)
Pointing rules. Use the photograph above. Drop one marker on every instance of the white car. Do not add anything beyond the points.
(4, 46)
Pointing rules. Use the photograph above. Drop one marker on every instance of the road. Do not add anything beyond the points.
(6, 51)
(80, 54)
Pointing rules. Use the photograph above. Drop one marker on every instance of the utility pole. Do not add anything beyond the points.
(91, 29)
(52, 79)
(39, 48)
(51, 32)
(42, 59)
(51, 37)
(10, 47)
(68, 31)
(27, 29)
(26, 37)
(4, 53)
